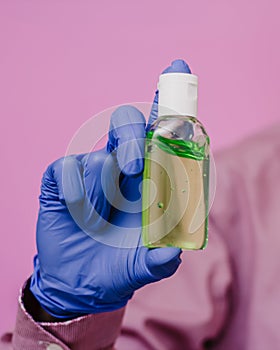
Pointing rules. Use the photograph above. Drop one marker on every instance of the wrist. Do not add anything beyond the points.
(56, 305)
(34, 308)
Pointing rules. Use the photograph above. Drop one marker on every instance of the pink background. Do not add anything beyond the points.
(63, 61)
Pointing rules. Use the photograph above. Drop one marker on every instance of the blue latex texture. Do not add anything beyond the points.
(74, 273)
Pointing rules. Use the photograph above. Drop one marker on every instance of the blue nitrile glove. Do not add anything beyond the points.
(90, 258)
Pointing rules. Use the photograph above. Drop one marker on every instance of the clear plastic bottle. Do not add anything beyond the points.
(176, 173)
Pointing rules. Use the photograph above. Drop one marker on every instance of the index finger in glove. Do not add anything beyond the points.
(126, 138)
(66, 183)
(62, 182)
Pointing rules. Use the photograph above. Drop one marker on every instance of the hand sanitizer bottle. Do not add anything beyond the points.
(176, 172)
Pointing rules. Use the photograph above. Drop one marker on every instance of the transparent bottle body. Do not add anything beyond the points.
(176, 184)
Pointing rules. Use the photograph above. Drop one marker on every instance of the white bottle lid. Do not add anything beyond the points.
(177, 94)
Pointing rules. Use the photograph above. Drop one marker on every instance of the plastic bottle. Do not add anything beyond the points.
(176, 172)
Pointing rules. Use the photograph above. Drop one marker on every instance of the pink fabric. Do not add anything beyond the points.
(226, 296)
(94, 332)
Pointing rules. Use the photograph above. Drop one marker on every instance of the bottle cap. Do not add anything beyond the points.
(177, 94)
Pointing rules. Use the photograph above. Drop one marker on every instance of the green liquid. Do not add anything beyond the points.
(175, 208)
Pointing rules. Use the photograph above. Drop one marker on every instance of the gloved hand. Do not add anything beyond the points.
(90, 258)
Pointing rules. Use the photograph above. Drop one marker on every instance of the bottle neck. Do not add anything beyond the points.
(168, 112)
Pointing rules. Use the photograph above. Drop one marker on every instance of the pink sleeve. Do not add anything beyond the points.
(93, 332)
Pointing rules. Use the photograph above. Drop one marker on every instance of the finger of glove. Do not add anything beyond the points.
(177, 66)
(62, 181)
(126, 138)
(163, 262)
(75, 182)
(101, 183)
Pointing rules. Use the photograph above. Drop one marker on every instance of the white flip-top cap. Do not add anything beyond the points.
(177, 94)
